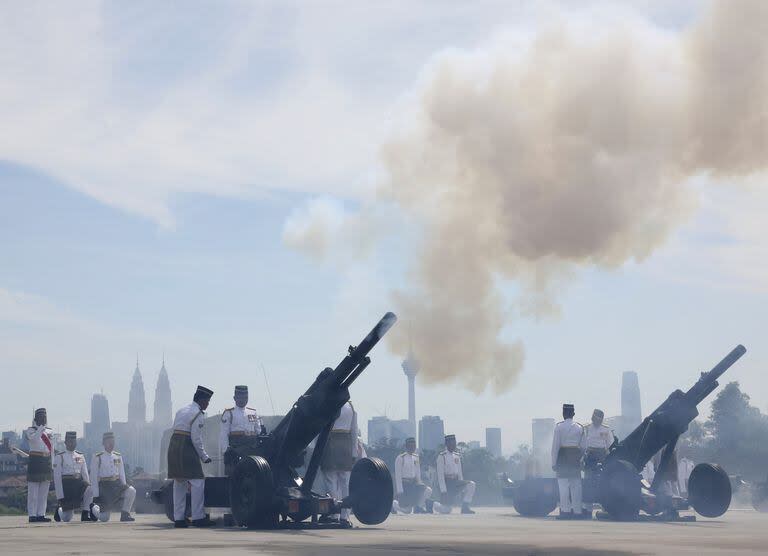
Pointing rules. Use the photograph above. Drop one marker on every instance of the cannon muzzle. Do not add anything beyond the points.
(708, 381)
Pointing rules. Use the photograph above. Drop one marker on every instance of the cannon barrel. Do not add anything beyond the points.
(321, 403)
(672, 417)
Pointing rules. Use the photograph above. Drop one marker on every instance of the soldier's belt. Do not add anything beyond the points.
(109, 479)
(183, 433)
(409, 480)
(242, 433)
(451, 476)
(76, 476)
(39, 454)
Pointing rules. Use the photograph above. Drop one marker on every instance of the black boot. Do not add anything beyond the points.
(205, 522)
(43, 519)
(465, 509)
(565, 516)
(180, 524)
(56, 515)
(126, 516)
(85, 515)
(33, 519)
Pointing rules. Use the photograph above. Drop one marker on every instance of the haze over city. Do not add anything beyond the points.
(208, 186)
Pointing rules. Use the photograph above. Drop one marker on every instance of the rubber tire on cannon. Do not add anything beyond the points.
(371, 491)
(709, 490)
(251, 494)
(535, 497)
(620, 490)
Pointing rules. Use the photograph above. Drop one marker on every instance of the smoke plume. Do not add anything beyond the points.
(524, 166)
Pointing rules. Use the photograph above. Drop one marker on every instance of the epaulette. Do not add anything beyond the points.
(99, 453)
(560, 422)
(116, 453)
(229, 409)
(75, 451)
(59, 453)
(252, 409)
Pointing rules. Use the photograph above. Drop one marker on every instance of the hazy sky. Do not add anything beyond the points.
(151, 156)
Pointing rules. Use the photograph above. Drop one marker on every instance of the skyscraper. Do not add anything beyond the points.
(541, 447)
(431, 432)
(631, 410)
(163, 413)
(137, 405)
(98, 425)
(493, 441)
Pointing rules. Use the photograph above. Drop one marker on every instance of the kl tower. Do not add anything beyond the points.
(411, 368)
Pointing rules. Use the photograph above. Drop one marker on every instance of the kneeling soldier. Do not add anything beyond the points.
(109, 484)
(450, 477)
(410, 491)
(73, 486)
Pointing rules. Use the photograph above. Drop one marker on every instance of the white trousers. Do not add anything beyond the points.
(37, 498)
(570, 494)
(337, 483)
(129, 495)
(66, 515)
(197, 488)
(421, 502)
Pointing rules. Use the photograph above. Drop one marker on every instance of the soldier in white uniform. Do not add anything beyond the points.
(239, 426)
(110, 487)
(684, 470)
(186, 453)
(39, 467)
(72, 483)
(450, 479)
(410, 491)
(567, 451)
(598, 440)
(341, 451)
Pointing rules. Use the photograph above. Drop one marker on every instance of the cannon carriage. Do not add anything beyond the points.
(265, 490)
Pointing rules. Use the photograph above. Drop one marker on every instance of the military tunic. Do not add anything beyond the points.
(71, 480)
(186, 451)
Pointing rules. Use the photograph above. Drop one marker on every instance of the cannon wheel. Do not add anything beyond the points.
(709, 490)
(620, 490)
(250, 495)
(371, 491)
(535, 497)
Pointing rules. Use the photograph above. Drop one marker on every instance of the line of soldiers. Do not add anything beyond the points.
(411, 494)
(97, 493)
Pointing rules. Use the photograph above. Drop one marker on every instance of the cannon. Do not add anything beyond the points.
(265, 490)
(622, 493)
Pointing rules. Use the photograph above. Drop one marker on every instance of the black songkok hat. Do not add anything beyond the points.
(568, 406)
(203, 392)
(106, 435)
(240, 389)
(410, 439)
(450, 437)
(599, 412)
(41, 412)
(70, 434)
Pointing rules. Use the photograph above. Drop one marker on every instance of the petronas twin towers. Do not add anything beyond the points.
(137, 405)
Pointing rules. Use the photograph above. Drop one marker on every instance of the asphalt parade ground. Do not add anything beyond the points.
(494, 531)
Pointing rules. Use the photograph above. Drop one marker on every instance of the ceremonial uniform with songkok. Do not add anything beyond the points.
(240, 425)
(72, 482)
(186, 453)
(567, 451)
(450, 479)
(110, 487)
(39, 466)
(410, 491)
(341, 452)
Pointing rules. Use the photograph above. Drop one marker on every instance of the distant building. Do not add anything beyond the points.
(431, 432)
(137, 404)
(631, 408)
(378, 430)
(96, 427)
(12, 437)
(541, 447)
(411, 368)
(10, 463)
(473, 445)
(493, 441)
(401, 429)
(162, 417)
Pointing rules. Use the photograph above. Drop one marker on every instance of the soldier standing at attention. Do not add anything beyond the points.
(410, 492)
(72, 483)
(597, 441)
(239, 425)
(567, 443)
(39, 468)
(450, 478)
(109, 484)
(340, 453)
(186, 452)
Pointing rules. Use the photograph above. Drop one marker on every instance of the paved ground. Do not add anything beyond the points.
(493, 531)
